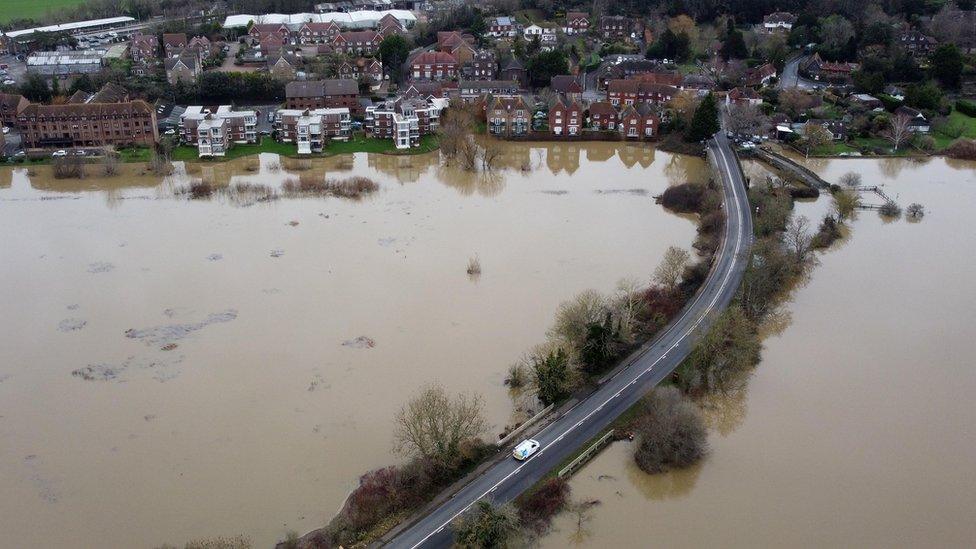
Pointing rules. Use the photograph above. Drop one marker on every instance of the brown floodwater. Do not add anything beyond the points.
(173, 369)
(856, 430)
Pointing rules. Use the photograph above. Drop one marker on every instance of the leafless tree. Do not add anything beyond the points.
(795, 101)
(491, 151)
(915, 211)
(110, 164)
(467, 151)
(814, 135)
(672, 265)
(671, 433)
(851, 179)
(798, 239)
(747, 119)
(899, 130)
(835, 31)
(949, 24)
(433, 425)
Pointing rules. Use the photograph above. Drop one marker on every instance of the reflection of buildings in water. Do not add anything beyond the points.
(632, 154)
(405, 168)
(6, 177)
(601, 151)
(515, 156)
(562, 157)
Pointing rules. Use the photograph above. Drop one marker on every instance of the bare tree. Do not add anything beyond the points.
(795, 101)
(815, 135)
(671, 433)
(835, 31)
(949, 24)
(628, 305)
(747, 119)
(433, 425)
(491, 152)
(899, 130)
(110, 164)
(467, 151)
(798, 239)
(672, 265)
(851, 179)
(915, 211)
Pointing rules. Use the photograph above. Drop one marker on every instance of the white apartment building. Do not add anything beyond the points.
(310, 128)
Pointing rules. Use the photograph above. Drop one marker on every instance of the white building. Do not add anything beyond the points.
(309, 129)
(212, 137)
(232, 127)
(355, 20)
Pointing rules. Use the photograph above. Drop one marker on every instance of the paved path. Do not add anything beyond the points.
(653, 363)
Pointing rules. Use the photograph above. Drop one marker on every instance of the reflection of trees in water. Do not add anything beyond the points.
(404, 168)
(488, 184)
(725, 409)
(676, 170)
(670, 485)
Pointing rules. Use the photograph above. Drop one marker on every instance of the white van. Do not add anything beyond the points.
(525, 449)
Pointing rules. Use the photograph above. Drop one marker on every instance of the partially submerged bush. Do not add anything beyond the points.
(474, 266)
(69, 167)
(915, 211)
(201, 189)
(310, 185)
(537, 508)
(671, 433)
(684, 198)
(890, 209)
(517, 376)
(828, 232)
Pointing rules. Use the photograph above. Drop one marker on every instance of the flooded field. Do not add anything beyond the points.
(856, 430)
(173, 368)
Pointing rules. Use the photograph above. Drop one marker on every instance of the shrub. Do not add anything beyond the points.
(516, 376)
(804, 192)
(537, 508)
(311, 185)
(966, 107)
(915, 211)
(850, 179)
(684, 198)
(201, 189)
(671, 433)
(829, 232)
(964, 149)
(474, 266)
(69, 167)
(890, 209)
(110, 164)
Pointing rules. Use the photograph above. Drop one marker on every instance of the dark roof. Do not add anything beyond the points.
(176, 39)
(565, 83)
(10, 100)
(321, 88)
(92, 109)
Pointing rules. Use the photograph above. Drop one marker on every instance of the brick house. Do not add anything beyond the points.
(483, 66)
(389, 25)
(310, 129)
(630, 91)
(284, 66)
(507, 116)
(639, 121)
(760, 76)
(434, 65)
(184, 67)
(614, 26)
(567, 85)
(513, 70)
(357, 42)
(779, 21)
(502, 26)
(144, 49)
(603, 116)
(201, 44)
(318, 33)
(259, 31)
(577, 22)
(362, 68)
(88, 124)
(448, 41)
(743, 96)
(322, 94)
(174, 41)
(404, 121)
(565, 117)
(10, 106)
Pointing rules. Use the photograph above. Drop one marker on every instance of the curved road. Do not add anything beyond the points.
(509, 478)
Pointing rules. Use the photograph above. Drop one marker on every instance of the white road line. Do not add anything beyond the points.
(704, 314)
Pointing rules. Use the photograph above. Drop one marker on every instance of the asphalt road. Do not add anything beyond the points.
(509, 478)
(791, 77)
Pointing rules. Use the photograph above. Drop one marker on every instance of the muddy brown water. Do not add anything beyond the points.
(856, 430)
(173, 369)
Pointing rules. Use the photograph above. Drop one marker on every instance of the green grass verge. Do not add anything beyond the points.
(33, 9)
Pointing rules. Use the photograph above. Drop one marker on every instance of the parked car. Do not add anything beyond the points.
(170, 131)
(6, 129)
(59, 154)
(525, 449)
(9, 82)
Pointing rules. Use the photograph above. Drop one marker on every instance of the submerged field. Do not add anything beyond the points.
(175, 368)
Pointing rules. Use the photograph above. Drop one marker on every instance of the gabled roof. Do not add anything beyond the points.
(565, 83)
(432, 58)
(174, 40)
(602, 108)
(321, 88)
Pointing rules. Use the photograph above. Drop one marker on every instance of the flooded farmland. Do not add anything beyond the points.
(176, 368)
(856, 429)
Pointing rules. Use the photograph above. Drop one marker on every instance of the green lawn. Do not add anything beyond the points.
(267, 145)
(966, 124)
(33, 9)
(358, 143)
